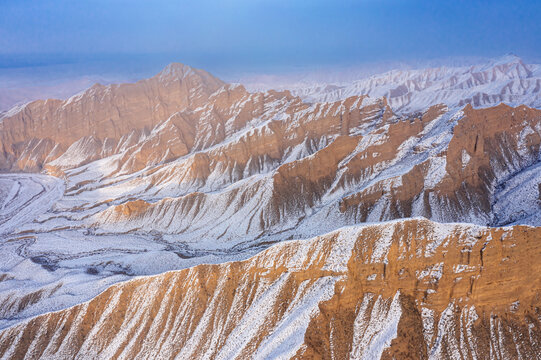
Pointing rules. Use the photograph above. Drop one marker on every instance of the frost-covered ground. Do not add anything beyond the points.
(52, 258)
(58, 249)
(517, 200)
(49, 269)
(25, 196)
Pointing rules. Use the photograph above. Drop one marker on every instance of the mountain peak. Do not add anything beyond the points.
(176, 70)
(509, 58)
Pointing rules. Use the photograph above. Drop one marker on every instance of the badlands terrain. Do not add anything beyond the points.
(183, 217)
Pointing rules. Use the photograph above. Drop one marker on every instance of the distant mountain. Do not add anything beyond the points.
(183, 169)
(505, 80)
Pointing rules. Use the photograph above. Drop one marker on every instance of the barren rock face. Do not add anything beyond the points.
(443, 166)
(487, 147)
(408, 289)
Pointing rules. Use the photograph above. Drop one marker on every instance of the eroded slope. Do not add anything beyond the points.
(405, 289)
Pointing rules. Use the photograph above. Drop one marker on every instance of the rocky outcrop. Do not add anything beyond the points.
(354, 158)
(408, 289)
(221, 173)
(487, 147)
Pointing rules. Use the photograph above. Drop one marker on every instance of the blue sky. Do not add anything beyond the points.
(259, 34)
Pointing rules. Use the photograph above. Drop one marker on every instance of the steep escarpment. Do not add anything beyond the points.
(353, 160)
(407, 289)
(272, 153)
(487, 147)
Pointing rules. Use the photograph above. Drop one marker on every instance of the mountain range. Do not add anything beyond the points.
(393, 217)
(507, 79)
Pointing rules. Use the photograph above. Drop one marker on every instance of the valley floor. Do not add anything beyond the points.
(46, 270)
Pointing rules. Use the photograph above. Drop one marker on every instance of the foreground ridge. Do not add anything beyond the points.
(404, 289)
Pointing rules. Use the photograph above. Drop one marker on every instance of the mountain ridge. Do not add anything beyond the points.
(101, 111)
(506, 79)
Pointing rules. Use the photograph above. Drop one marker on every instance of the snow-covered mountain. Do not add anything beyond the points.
(183, 169)
(504, 80)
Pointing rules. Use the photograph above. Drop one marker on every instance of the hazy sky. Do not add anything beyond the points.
(258, 34)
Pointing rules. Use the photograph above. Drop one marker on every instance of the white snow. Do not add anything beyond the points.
(373, 331)
(28, 197)
(288, 336)
(506, 80)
